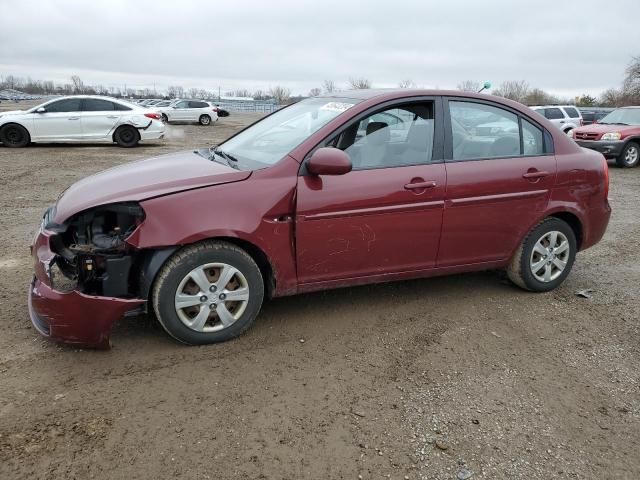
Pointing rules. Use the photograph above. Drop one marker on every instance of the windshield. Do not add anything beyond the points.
(623, 116)
(269, 140)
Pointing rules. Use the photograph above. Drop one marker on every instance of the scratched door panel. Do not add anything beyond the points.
(366, 222)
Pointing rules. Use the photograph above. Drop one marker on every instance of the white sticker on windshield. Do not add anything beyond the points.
(336, 106)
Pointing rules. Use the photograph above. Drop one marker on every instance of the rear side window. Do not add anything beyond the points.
(120, 107)
(61, 106)
(572, 112)
(483, 131)
(532, 139)
(97, 105)
(553, 113)
(198, 105)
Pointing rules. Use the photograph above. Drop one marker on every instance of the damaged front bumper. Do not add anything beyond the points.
(72, 316)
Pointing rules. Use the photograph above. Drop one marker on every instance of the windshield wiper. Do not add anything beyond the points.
(620, 123)
(230, 159)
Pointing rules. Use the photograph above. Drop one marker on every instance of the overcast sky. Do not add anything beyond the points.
(565, 47)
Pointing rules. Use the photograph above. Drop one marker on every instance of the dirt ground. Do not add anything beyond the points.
(444, 378)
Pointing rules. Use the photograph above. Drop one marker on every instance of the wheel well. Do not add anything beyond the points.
(573, 222)
(261, 260)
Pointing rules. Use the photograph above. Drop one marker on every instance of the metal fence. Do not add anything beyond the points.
(247, 106)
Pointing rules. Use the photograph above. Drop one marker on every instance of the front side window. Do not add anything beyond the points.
(395, 137)
(182, 104)
(96, 105)
(483, 131)
(269, 140)
(63, 106)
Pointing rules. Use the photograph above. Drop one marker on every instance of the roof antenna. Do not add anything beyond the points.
(486, 86)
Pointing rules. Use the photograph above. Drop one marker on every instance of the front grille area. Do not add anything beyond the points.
(587, 136)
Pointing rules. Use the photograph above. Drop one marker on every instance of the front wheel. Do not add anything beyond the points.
(126, 136)
(630, 156)
(14, 136)
(209, 292)
(204, 120)
(545, 257)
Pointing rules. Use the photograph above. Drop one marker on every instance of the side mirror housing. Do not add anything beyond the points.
(329, 161)
(41, 110)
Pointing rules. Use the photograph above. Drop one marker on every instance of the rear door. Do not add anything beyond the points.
(60, 121)
(500, 171)
(197, 108)
(99, 117)
(385, 215)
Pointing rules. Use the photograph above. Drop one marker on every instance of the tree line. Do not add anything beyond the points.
(519, 90)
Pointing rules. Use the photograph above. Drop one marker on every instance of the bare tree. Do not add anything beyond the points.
(259, 95)
(329, 86)
(469, 86)
(314, 92)
(513, 89)
(359, 83)
(193, 92)
(280, 94)
(631, 85)
(175, 91)
(537, 96)
(611, 98)
(407, 84)
(78, 85)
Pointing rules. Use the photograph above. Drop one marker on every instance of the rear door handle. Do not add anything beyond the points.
(112, 116)
(420, 185)
(536, 174)
(73, 118)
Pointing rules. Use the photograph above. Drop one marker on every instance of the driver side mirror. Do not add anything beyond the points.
(41, 110)
(329, 161)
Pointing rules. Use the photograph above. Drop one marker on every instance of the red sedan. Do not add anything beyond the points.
(353, 188)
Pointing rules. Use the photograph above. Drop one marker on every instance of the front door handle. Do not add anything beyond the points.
(73, 118)
(535, 174)
(420, 185)
(112, 116)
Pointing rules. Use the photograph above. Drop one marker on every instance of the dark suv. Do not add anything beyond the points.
(616, 135)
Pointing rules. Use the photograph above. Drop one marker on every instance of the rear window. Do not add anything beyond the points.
(572, 112)
(120, 107)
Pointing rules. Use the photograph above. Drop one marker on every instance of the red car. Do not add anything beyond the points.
(354, 188)
(616, 135)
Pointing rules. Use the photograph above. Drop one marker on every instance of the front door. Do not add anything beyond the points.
(385, 215)
(60, 121)
(500, 171)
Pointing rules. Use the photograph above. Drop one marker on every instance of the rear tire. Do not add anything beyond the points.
(204, 120)
(630, 156)
(14, 136)
(192, 296)
(164, 118)
(545, 256)
(127, 136)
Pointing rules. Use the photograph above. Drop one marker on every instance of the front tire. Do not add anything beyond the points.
(14, 136)
(207, 293)
(630, 156)
(545, 256)
(127, 136)
(204, 120)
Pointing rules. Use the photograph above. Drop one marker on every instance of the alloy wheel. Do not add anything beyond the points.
(549, 256)
(211, 297)
(631, 155)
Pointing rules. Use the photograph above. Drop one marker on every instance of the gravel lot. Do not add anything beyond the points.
(444, 378)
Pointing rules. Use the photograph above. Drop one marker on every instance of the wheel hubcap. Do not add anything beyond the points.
(211, 297)
(631, 155)
(549, 256)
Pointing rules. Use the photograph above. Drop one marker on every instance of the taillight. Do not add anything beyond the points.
(582, 122)
(215, 109)
(155, 116)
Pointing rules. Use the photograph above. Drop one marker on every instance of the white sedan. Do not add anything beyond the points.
(189, 111)
(81, 119)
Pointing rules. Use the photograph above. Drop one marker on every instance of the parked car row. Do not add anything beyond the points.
(186, 110)
(81, 118)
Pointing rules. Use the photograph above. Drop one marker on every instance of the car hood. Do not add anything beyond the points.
(600, 128)
(11, 112)
(144, 179)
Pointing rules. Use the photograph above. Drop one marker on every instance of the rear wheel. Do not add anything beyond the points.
(204, 120)
(630, 156)
(545, 257)
(14, 136)
(127, 136)
(165, 119)
(207, 293)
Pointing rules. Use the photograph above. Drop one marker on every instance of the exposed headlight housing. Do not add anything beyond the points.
(611, 136)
